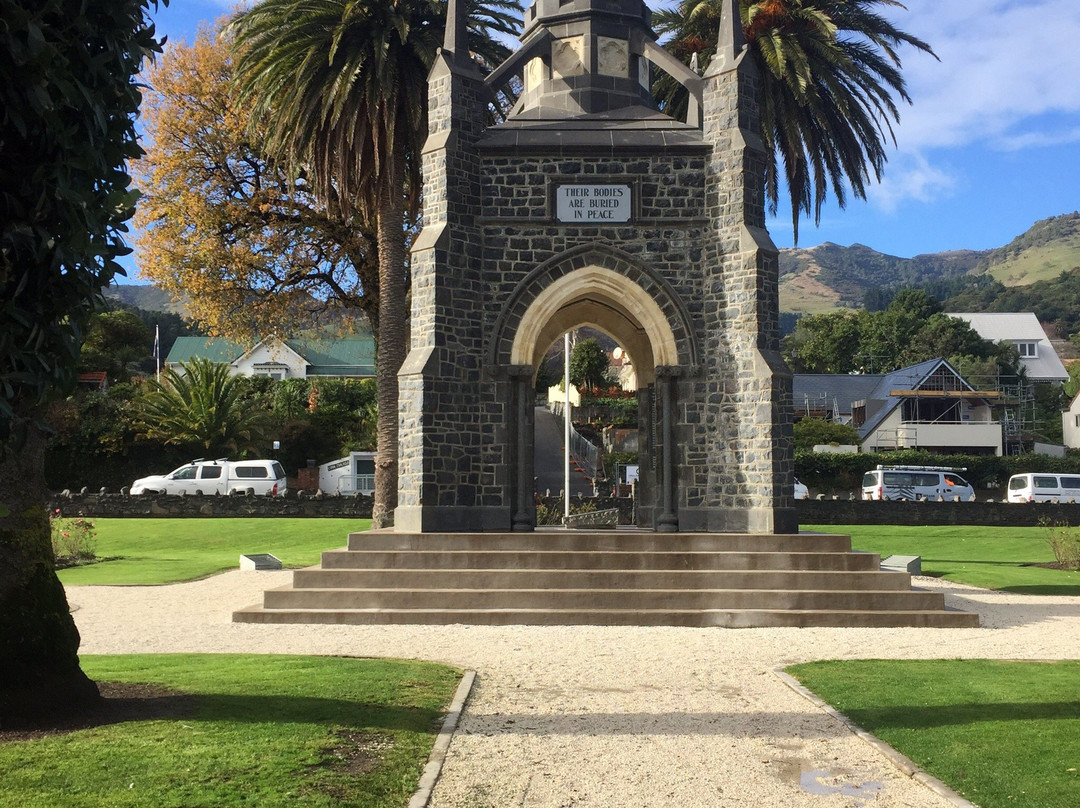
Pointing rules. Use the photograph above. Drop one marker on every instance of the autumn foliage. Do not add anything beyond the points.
(250, 250)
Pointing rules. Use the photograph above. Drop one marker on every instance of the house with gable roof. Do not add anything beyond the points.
(924, 406)
(351, 357)
(1022, 329)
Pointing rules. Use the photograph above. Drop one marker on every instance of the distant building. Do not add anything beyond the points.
(347, 357)
(1070, 424)
(1022, 329)
(93, 380)
(924, 406)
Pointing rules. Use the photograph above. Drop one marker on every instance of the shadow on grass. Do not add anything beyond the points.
(905, 717)
(311, 710)
(131, 702)
(1062, 590)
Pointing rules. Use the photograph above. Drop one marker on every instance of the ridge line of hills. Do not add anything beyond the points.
(1038, 271)
(828, 277)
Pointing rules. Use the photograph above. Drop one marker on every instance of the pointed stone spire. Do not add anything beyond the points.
(731, 41)
(456, 37)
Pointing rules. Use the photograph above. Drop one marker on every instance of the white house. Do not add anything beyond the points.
(345, 357)
(924, 406)
(1070, 424)
(1023, 330)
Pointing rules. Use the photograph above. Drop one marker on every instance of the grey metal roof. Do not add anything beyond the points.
(838, 391)
(1016, 327)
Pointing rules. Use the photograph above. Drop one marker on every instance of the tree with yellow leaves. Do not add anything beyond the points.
(252, 251)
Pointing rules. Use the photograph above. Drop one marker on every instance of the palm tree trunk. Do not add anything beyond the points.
(39, 642)
(392, 331)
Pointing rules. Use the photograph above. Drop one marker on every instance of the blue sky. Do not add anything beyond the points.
(990, 144)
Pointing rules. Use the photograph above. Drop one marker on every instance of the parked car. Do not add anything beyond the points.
(915, 482)
(259, 477)
(1043, 488)
(801, 491)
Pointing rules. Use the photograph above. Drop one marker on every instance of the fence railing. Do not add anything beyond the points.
(586, 453)
(356, 483)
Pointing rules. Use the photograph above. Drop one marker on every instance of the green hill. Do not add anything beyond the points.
(1047, 249)
(829, 276)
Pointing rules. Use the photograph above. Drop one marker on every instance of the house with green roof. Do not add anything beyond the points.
(351, 357)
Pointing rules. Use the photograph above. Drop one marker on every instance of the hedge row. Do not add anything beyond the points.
(841, 473)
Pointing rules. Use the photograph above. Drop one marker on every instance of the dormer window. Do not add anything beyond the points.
(1028, 350)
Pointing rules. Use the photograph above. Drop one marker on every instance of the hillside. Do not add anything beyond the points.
(1047, 249)
(829, 276)
(147, 297)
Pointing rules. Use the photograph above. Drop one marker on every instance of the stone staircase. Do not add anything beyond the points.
(612, 577)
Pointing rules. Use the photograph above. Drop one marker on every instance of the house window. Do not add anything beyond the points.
(1028, 350)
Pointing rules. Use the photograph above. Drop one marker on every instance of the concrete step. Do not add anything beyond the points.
(718, 618)
(601, 599)
(603, 578)
(604, 540)
(593, 560)
(554, 579)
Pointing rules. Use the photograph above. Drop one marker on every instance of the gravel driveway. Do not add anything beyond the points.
(597, 716)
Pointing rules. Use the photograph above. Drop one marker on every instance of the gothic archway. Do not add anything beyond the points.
(598, 286)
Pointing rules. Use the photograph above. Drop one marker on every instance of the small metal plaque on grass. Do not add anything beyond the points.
(260, 561)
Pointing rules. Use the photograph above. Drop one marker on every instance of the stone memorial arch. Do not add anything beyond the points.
(588, 206)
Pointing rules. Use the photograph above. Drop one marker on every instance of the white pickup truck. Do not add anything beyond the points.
(259, 477)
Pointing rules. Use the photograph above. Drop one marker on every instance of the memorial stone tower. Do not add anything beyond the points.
(589, 207)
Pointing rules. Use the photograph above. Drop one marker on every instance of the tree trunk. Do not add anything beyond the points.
(391, 338)
(39, 643)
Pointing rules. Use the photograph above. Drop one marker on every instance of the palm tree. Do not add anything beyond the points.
(830, 70)
(199, 403)
(342, 88)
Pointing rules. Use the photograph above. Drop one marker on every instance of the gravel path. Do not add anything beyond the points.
(593, 716)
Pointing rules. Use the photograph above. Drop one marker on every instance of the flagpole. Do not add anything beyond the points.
(157, 352)
(566, 424)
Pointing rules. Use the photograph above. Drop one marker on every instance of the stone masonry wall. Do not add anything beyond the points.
(315, 506)
(810, 512)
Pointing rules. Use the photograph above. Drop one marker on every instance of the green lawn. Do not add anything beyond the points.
(1002, 734)
(159, 551)
(260, 731)
(988, 557)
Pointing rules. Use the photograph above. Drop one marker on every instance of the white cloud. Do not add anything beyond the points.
(1006, 81)
(1008, 69)
(910, 176)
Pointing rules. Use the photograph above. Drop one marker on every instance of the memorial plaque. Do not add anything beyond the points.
(593, 203)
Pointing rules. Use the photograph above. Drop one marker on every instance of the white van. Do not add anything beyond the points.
(916, 482)
(1043, 488)
(260, 477)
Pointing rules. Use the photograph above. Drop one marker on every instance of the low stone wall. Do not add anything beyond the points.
(299, 504)
(878, 512)
(624, 505)
(810, 511)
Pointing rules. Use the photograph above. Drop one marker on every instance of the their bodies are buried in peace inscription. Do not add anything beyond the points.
(592, 203)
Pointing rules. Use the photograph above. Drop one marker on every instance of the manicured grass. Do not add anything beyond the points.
(160, 551)
(988, 557)
(1000, 733)
(263, 731)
